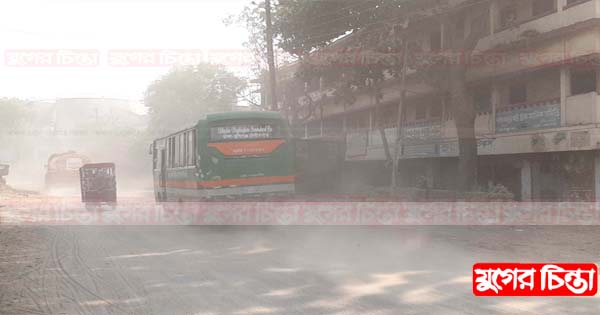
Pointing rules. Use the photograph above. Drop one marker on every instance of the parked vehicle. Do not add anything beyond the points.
(63, 170)
(228, 154)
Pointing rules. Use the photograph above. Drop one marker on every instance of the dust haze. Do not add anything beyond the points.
(99, 130)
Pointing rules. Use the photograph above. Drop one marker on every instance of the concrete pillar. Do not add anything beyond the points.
(494, 16)
(596, 108)
(526, 182)
(322, 126)
(444, 116)
(536, 187)
(597, 176)
(495, 99)
(305, 130)
(565, 91)
(598, 80)
(443, 35)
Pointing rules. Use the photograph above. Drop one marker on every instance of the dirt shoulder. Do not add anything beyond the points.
(23, 251)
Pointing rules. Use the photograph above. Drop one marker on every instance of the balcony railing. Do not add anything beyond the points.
(512, 124)
(569, 15)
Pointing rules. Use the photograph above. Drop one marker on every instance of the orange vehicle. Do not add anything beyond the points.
(63, 170)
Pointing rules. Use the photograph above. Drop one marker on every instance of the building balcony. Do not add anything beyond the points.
(541, 50)
(484, 125)
(563, 17)
(542, 126)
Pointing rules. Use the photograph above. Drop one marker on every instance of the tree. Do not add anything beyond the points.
(302, 27)
(186, 94)
(450, 78)
(252, 18)
(15, 118)
(13, 114)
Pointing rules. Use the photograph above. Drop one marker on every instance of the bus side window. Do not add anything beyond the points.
(168, 155)
(186, 150)
(177, 154)
(169, 148)
(171, 152)
(191, 153)
(182, 150)
(154, 157)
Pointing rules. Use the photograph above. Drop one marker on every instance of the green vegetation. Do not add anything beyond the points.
(186, 94)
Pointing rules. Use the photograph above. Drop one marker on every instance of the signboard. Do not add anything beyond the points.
(422, 132)
(242, 132)
(423, 150)
(528, 118)
(448, 149)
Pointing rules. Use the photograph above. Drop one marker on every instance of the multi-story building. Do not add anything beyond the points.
(534, 80)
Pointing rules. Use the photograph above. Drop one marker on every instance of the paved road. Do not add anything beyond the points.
(276, 270)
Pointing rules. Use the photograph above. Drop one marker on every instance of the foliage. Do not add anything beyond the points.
(186, 94)
(308, 28)
(252, 18)
(301, 26)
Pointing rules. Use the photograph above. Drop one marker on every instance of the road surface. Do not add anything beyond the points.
(201, 270)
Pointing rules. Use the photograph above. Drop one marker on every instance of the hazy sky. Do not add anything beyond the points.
(105, 28)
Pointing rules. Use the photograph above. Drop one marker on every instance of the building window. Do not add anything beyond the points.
(583, 82)
(482, 99)
(333, 127)
(508, 16)
(481, 24)
(459, 28)
(574, 2)
(314, 128)
(387, 117)
(435, 110)
(541, 7)
(358, 121)
(518, 94)
(435, 41)
(420, 112)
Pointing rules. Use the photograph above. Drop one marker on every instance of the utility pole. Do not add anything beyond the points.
(400, 113)
(271, 56)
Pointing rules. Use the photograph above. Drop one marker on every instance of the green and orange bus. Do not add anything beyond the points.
(225, 155)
